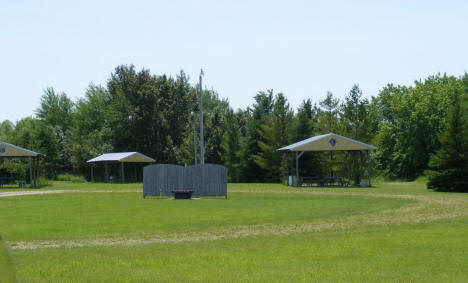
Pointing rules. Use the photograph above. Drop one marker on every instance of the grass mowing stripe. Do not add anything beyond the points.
(264, 232)
(426, 210)
(71, 216)
(7, 274)
(408, 253)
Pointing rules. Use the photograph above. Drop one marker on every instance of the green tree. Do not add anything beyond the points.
(149, 113)
(448, 167)
(56, 109)
(231, 147)
(356, 123)
(311, 163)
(328, 114)
(56, 114)
(410, 121)
(91, 135)
(276, 132)
(6, 129)
(257, 116)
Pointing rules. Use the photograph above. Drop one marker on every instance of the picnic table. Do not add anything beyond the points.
(7, 181)
(321, 182)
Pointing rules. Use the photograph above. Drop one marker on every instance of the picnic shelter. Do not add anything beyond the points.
(330, 142)
(122, 158)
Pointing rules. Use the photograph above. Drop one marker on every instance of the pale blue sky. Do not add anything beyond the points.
(301, 48)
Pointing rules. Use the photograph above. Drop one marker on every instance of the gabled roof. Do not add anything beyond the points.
(123, 157)
(328, 142)
(10, 150)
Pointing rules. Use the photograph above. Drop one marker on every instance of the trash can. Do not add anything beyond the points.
(364, 183)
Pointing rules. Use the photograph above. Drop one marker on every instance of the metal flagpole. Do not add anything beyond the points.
(194, 139)
(202, 139)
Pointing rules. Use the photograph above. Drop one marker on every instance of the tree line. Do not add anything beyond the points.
(418, 129)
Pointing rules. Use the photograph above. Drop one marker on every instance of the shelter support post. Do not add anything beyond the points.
(107, 172)
(92, 172)
(123, 172)
(36, 174)
(349, 166)
(369, 167)
(298, 155)
(361, 155)
(30, 173)
(297, 166)
(355, 168)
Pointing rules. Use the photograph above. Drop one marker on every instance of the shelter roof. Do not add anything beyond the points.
(122, 157)
(11, 151)
(328, 142)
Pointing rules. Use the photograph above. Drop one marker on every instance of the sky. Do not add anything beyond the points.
(300, 48)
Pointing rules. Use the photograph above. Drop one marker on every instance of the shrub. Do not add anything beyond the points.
(71, 178)
(44, 182)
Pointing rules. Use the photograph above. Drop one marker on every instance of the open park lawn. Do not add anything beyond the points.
(263, 232)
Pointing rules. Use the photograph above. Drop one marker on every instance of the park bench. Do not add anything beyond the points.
(310, 181)
(182, 194)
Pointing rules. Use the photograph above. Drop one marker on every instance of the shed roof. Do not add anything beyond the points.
(11, 151)
(123, 157)
(328, 142)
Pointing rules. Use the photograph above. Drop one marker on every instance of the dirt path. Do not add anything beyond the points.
(425, 209)
(37, 192)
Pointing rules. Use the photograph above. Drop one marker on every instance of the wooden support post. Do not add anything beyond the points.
(298, 155)
(136, 173)
(349, 166)
(361, 155)
(369, 167)
(297, 169)
(30, 173)
(38, 171)
(35, 173)
(354, 167)
(107, 172)
(92, 172)
(123, 173)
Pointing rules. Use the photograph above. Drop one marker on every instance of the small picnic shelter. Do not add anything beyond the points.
(8, 150)
(331, 142)
(118, 157)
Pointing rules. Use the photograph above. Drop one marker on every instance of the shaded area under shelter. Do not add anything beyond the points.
(8, 150)
(330, 142)
(121, 158)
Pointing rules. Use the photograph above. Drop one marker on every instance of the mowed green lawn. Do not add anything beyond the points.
(263, 232)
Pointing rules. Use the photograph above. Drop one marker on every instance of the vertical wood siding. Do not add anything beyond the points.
(204, 180)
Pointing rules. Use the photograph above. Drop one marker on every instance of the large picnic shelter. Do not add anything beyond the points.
(8, 150)
(331, 142)
(118, 157)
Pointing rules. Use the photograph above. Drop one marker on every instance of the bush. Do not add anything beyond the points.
(44, 182)
(71, 178)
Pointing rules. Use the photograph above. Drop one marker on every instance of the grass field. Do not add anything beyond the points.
(6, 268)
(263, 232)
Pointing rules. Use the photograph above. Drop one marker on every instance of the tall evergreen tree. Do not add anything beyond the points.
(262, 108)
(231, 147)
(355, 117)
(328, 118)
(56, 116)
(275, 133)
(311, 163)
(448, 167)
